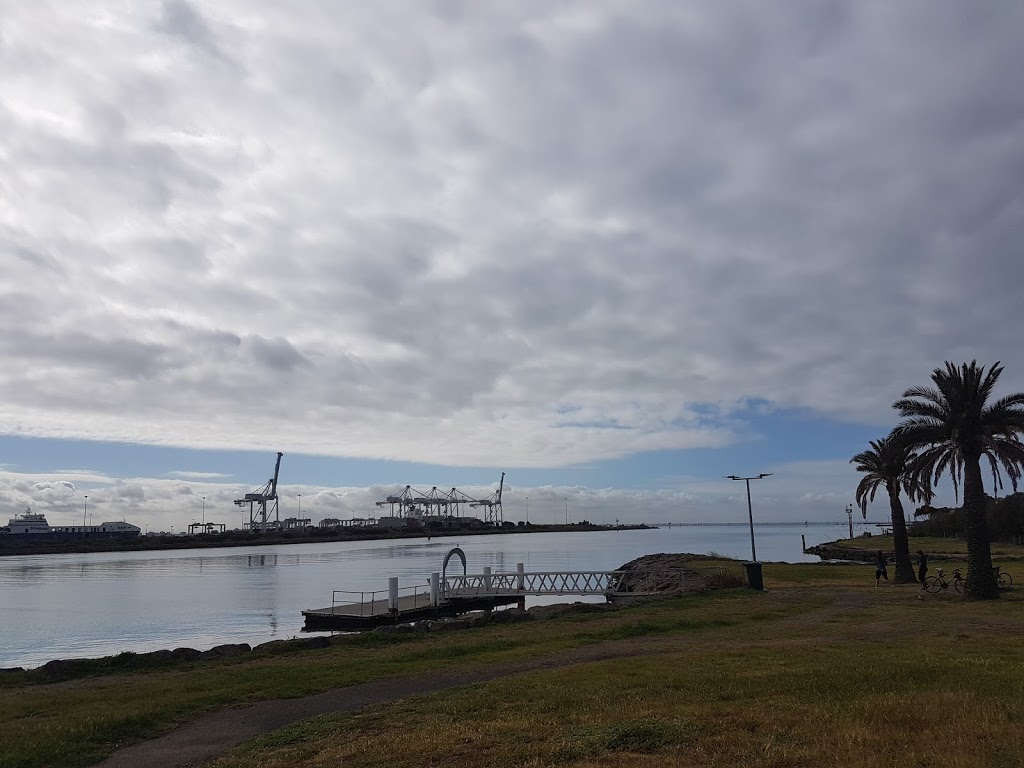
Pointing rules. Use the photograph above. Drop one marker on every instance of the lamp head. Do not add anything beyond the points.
(764, 474)
(732, 477)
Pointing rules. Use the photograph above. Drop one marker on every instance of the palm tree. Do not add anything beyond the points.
(954, 426)
(888, 463)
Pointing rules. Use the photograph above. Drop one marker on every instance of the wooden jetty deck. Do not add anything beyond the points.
(352, 617)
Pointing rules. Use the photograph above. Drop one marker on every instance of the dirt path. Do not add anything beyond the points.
(214, 734)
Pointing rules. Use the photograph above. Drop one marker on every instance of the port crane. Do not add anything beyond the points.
(493, 504)
(433, 503)
(258, 501)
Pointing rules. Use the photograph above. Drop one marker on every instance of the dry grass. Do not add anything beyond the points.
(824, 668)
(874, 678)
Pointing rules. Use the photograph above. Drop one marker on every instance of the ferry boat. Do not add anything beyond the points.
(32, 526)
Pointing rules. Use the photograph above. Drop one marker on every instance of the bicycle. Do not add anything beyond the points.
(1004, 580)
(939, 582)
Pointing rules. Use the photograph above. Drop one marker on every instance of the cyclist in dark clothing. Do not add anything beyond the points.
(922, 567)
(880, 572)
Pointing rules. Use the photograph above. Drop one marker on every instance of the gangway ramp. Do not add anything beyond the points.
(454, 595)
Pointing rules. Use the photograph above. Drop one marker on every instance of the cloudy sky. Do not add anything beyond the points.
(614, 249)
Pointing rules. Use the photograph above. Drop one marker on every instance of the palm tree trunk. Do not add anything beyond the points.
(904, 567)
(981, 583)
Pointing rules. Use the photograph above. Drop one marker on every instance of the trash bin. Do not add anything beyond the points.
(754, 579)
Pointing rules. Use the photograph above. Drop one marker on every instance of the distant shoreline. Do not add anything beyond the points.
(245, 539)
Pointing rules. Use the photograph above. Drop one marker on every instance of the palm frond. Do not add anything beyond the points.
(952, 423)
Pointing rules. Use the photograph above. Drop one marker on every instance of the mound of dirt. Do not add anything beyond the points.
(663, 573)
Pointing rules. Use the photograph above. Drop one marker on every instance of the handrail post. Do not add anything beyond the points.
(520, 577)
(435, 589)
(393, 594)
(487, 578)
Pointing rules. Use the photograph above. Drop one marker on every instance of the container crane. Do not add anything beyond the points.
(258, 501)
(493, 504)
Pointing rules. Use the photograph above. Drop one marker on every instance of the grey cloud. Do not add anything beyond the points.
(181, 20)
(276, 353)
(452, 220)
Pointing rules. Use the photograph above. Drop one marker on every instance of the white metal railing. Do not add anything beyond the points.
(635, 583)
(364, 600)
(381, 600)
(561, 583)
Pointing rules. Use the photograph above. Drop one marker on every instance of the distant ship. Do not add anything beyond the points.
(32, 526)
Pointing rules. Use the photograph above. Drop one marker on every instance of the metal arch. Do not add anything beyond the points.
(444, 566)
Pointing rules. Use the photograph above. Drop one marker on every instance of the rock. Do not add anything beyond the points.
(155, 657)
(186, 654)
(226, 651)
(65, 667)
(666, 574)
(6, 670)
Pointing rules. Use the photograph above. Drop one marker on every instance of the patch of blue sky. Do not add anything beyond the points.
(766, 438)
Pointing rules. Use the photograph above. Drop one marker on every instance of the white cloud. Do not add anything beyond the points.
(525, 235)
(797, 491)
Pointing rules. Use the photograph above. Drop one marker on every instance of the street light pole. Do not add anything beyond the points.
(849, 515)
(566, 510)
(300, 506)
(204, 512)
(85, 512)
(527, 510)
(750, 511)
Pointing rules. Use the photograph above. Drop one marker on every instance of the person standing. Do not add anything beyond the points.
(880, 572)
(922, 567)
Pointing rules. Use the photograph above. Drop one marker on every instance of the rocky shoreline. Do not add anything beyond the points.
(129, 661)
(834, 551)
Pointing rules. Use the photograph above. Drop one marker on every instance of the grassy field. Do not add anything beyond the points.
(822, 668)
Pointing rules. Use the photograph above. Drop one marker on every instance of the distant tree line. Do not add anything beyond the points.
(1004, 519)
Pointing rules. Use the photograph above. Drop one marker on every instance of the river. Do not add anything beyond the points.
(98, 604)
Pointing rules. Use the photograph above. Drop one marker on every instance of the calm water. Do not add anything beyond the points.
(97, 604)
